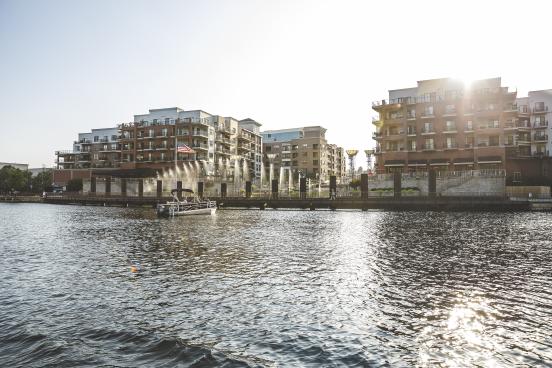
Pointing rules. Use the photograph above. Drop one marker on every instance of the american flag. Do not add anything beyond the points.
(182, 148)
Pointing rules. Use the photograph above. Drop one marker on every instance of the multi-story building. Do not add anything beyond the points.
(219, 142)
(447, 126)
(97, 149)
(303, 151)
(539, 105)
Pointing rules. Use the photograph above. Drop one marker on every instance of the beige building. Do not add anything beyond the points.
(98, 149)
(303, 151)
(221, 144)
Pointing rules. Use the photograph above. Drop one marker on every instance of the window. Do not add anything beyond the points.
(469, 125)
(450, 109)
(450, 125)
(429, 144)
(315, 146)
(428, 127)
(96, 138)
(428, 111)
(167, 120)
(411, 145)
(314, 162)
(150, 132)
(539, 106)
(451, 142)
(315, 154)
(113, 137)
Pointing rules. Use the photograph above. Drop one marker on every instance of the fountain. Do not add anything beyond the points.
(271, 157)
(290, 180)
(281, 178)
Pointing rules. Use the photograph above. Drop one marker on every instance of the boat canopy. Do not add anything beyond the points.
(182, 190)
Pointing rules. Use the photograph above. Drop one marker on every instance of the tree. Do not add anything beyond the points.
(12, 179)
(74, 185)
(42, 181)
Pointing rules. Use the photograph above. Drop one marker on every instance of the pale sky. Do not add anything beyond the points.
(70, 66)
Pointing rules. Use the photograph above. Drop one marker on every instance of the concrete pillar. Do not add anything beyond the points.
(364, 186)
(140, 188)
(432, 183)
(333, 186)
(303, 188)
(93, 185)
(274, 188)
(159, 189)
(179, 190)
(200, 189)
(108, 186)
(397, 177)
(223, 190)
(123, 187)
(247, 189)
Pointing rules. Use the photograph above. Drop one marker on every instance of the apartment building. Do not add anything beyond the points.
(220, 143)
(445, 125)
(98, 149)
(304, 151)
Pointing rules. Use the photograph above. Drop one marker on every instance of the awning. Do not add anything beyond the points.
(417, 162)
(439, 162)
(489, 160)
(463, 161)
(390, 163)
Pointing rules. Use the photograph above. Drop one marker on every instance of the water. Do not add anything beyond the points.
(274, 288)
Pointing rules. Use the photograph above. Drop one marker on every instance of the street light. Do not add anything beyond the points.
(352, 153)
(369, 153)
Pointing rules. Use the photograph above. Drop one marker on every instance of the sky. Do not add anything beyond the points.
(70, 66)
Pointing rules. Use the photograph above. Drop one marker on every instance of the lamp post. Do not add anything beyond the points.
(369, 153)
(352, 153)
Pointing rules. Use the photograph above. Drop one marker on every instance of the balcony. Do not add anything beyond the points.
(510, 108)
(427, 115)
(376, 121)
(451, 146)
(428, 131)
(451, 112)
(244, 137)
(200, 134)
(541, 138)
(450, 130)
(411, 132)
(540, 110)
(411, 116)
(540, 124)
(428, 147)
(376, 136)
(200, 146)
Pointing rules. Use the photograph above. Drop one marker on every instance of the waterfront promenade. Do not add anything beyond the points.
(467, 203)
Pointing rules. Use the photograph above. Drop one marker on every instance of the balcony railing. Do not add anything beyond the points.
(541, 137)
(540, 109)
(541, 124)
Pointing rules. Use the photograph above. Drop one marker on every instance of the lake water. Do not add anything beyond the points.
(274, 288)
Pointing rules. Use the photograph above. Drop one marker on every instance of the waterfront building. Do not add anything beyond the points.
(445, 125)
(221, 144)
(99, 148)
(303, 151)
(23, 167)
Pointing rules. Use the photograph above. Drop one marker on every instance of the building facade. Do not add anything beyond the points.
(445, 125)
(221, 143)
(98, 149)
(304, 151)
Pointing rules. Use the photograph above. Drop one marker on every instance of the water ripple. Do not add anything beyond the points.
(274, 288)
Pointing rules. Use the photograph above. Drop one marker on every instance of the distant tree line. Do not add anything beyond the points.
(15, 180)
